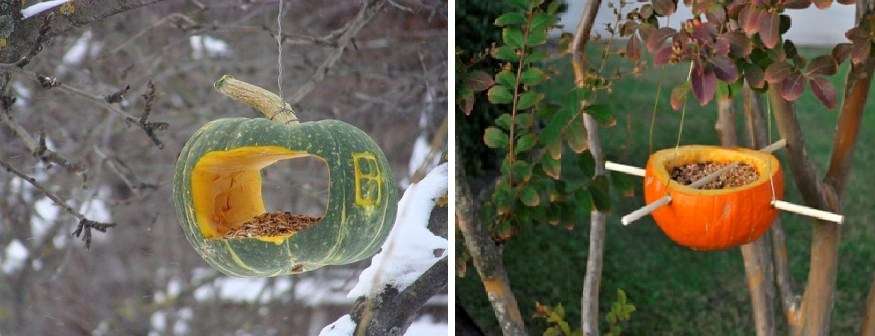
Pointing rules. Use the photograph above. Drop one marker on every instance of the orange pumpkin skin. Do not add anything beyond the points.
(713, 219)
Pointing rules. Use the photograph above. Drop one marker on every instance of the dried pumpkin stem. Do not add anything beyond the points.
(268, 103)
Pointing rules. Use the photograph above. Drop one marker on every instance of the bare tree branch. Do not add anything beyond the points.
(487, 259)
(589, 299)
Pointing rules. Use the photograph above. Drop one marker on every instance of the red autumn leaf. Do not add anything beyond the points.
(841, 52)
(791, 88)
(824, 91)
(749, 19)
(754, 75)
(658, 37)
(704, 83)
(770, 25)
(777, 72)
(821, 65)
(716, 14)
(664, 7)
(633, 48)
(823, 4)
(628, 28)
(740, 45)
(663, 56)
(704, 32)
(479, 80)
(466, 104)
(847, 2)
(724, 68)
(679, 96)
(860, 51)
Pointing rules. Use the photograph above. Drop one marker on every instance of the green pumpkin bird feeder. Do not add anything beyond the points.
(217, 190)
(715, 218)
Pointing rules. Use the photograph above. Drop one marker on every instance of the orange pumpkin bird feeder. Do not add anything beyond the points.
(714, 219)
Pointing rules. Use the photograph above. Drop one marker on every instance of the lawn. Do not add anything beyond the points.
(678, 291)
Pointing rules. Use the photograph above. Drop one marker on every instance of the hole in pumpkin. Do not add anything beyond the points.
(247, 192)
(740, 175)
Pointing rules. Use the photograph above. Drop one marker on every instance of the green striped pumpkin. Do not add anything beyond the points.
(217, 185)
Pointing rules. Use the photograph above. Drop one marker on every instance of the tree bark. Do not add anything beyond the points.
(757, 255)
(868, 328)
(589, 299)
(487, 259)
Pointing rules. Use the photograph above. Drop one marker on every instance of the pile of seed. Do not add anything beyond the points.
(272, 224)
(740, 175)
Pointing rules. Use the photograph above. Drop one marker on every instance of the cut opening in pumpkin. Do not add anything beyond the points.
(229, 189)
(690, 163)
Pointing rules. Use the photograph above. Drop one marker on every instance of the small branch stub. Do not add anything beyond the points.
(272, 106)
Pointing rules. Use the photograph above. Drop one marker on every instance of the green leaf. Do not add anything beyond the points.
(523, 120)
(537, 37)
(499, 94)
(525, 143)
(542, 21)
(602, 114)
(521, 170)
(536, 56)
(533, 76)
(506, 78)
(513, 18)
(503, 121)
(553, 131)
(523, 4)
(600, 189)
(505, 53)
(512, 37)
(495, 138)
(551, 167)
(530, 197)
(553, 8)
(529, 99)
(575, 134)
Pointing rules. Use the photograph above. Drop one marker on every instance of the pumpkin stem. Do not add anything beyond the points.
(272, 106)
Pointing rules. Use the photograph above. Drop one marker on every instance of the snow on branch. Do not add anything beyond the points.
(410, 249)
(407, 256)
(40, 7)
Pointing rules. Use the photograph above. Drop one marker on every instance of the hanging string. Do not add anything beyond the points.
(769, 136)
(653, 118)
(279, 48)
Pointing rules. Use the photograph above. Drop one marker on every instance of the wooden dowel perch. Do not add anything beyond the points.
(782, 205)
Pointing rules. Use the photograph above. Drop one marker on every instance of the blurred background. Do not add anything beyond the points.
(142, 277)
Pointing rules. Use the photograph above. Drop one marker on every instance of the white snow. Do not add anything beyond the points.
(79, 50)
(41, 7)
(46, 213)
(232, 289)
(158, 322)
(208, 46)
(344, 326)
(14, 256)
(23, 93)
(410, 249)
(427, 326)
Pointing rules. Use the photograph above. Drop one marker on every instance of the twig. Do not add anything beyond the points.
(85, 225)
(369, 9)
(37, 147)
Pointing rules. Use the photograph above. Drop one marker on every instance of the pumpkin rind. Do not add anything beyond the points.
(353, 228)
(713, 219)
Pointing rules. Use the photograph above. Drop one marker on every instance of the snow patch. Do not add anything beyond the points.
(208, 46)
(14, 256)
(344, 326)
(41, 7)
(410, 249)
(46, 214)
(79, 50)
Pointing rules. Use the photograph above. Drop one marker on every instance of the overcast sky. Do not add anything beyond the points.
(810, 26)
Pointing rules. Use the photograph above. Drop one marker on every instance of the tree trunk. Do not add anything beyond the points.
(487, 260)
(757, 255)
(868, 328)
(589, 299)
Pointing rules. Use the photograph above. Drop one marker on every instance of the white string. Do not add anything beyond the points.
(279, 48)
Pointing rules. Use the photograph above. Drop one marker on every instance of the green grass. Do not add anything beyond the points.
(678, 291)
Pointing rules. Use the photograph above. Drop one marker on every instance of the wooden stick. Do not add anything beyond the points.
(617, 167)
(647, 209)
(807, 211)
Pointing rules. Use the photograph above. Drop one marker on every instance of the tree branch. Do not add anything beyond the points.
(369, 9)
(757, 255)
(487, 259)
(589, 299)
(391, 312)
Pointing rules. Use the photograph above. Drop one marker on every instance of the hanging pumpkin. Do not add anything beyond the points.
(217, 188)
(713, 219)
